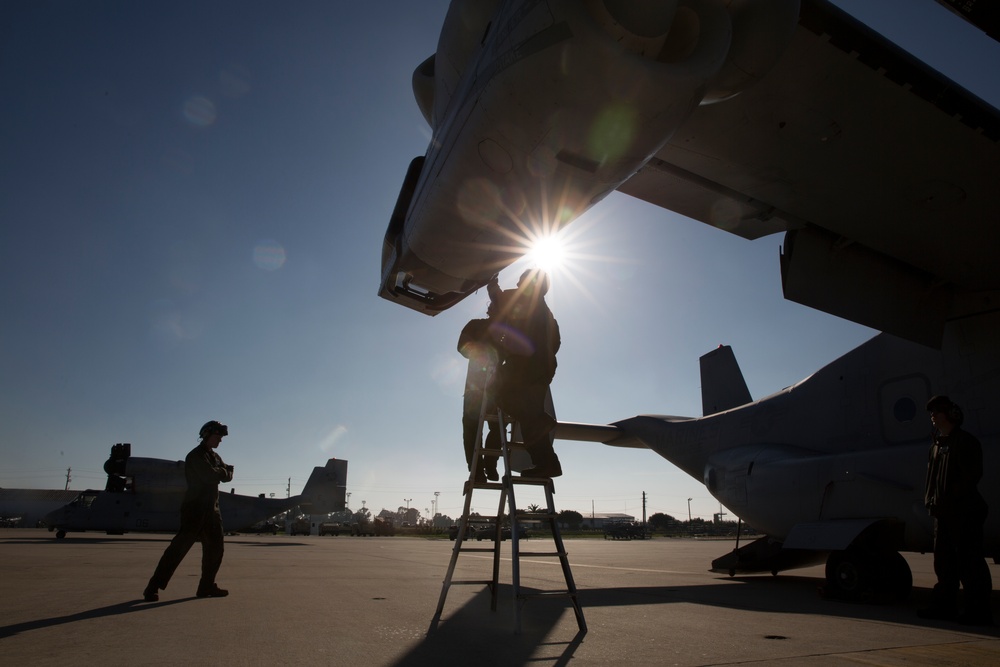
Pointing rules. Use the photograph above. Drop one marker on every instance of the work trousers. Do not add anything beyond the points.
(959, 558)
(196, 526)
(526, 404)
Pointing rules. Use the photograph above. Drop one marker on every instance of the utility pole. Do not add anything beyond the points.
(68, 478)
(689, 510)
(288, 490)
(643, 508)
(348, 503)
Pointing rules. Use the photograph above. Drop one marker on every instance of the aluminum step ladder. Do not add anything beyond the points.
(548, 517)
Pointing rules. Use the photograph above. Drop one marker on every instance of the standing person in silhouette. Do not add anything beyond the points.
(201, 520)
(528, 336)
(954, 468)
(476, 344)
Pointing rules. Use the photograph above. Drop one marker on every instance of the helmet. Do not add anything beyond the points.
(213, 427)
(535, 279)
(948, 407)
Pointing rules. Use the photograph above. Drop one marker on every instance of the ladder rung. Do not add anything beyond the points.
(537, 481)
(477, 549)
(496, 486)
(537, 515)
(464, 582)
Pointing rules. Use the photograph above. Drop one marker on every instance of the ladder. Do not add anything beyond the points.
(548, 516)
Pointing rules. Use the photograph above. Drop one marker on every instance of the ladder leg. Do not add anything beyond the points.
(564, 558)
(477, 462)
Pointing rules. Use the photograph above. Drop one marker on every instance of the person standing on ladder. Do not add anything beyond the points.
(475, 343)
(528, 337)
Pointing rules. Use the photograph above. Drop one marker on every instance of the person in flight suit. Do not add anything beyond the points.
(201, 520)
(954, 468)
(476, 344)
(529, 339)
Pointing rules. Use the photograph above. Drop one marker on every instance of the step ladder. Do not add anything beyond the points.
(548, 517)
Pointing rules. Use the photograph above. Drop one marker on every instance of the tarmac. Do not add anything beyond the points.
(371, 601)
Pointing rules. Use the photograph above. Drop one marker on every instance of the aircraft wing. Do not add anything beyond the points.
(882, 170)
(787, 116)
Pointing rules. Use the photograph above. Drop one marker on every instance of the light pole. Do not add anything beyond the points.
(689, 510)
(407, 500)
(436, 494)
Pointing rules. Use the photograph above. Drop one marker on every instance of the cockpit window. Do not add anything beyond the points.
(84, 500)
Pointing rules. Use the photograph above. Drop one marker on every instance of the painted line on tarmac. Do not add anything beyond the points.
(596, 567)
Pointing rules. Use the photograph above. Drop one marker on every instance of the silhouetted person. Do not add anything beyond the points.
(201, 520)
(528, 336)
(476, 344)
(954, 468)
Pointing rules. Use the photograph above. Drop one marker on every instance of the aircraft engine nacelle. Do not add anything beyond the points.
(158, 474)
(556, 104)
(771, 487)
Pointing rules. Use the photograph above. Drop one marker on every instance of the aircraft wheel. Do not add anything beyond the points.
(848, 575)
(895, 581)
(60, 534)
(859, 575)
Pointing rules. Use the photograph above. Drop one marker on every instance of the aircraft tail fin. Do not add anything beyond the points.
(722, 383)
(326, 489)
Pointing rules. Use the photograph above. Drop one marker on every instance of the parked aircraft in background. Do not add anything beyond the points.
(28, 506)
(145, 494)
(756, 118)
(831, 468)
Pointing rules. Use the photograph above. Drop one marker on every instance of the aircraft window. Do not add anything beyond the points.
(905, 409)
(84, 500)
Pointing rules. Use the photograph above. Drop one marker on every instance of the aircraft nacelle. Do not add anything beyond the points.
(555, 105)
(156, 473)
(776, 488)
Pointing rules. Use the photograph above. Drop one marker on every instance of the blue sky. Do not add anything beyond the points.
(193, 202)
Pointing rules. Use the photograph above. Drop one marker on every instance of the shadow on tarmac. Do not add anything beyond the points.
(496, 642)
(100, 612)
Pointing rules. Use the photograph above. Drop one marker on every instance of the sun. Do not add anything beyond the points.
(547, 253)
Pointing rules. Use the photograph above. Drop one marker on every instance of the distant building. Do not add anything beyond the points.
(597, 520)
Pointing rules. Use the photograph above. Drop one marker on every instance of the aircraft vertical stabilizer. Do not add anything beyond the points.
(722, 383)
(326, 489)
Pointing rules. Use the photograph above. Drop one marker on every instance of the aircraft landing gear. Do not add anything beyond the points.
(60, 534)
(861, 575)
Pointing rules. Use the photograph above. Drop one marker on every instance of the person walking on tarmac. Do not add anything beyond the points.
(201, 520)
(954, 468)
(528, 336)
(476, 344)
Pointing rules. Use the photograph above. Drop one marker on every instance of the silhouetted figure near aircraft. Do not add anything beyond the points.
(528, 336)
(201, 520)
(954, 468)
(476, 344)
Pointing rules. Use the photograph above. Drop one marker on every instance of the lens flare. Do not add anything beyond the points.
(199, 111)
(269, 255)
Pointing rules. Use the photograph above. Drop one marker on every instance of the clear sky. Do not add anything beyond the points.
(192, 202)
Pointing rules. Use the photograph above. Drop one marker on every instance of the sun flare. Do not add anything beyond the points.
(547, 253)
